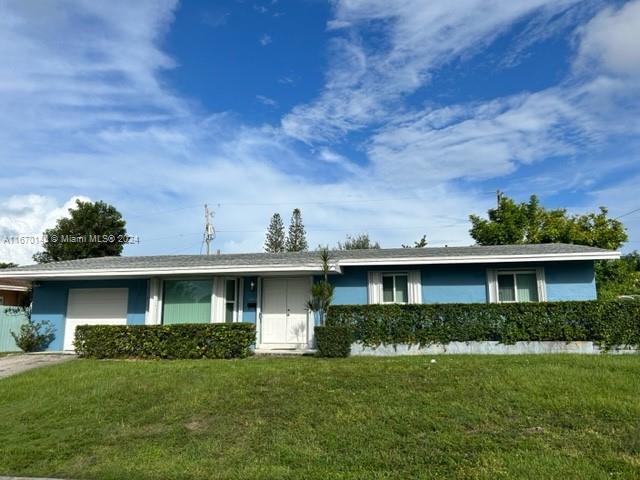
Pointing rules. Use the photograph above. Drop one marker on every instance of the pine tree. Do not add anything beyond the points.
(274, 241)
(297, 239)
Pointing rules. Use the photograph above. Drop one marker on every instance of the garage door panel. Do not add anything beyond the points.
(94, 306)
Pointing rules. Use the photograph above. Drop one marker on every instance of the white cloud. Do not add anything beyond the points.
(23, 220)
(364, 85)
(480, 141)
(269, 102)
(611, 39)
(94, 118)
(265, 40)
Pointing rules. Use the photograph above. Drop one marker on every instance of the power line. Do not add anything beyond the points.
(628, 213)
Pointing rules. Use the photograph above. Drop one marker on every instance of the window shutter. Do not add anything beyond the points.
(217, 304)
(415, 286)
(492, 285)
(375, 287)
(542, 284)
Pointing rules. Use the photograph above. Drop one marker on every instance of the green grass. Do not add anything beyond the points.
(303, 418)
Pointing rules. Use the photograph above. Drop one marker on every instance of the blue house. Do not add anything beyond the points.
(271, 290)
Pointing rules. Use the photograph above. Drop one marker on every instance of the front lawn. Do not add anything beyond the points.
(301, 418)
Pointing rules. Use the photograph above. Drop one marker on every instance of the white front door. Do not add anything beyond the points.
(284, 312)
(94, 306)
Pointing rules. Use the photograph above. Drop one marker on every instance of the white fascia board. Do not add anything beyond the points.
(145, 272)
(13, 288)
(549, 257)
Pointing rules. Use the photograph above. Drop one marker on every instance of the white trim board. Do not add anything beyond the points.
(547, 257)
(178, 271)
(13, 288)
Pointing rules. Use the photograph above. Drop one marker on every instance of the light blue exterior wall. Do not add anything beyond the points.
(570, 281)
(50, 302)
(440, 284)
(467, 283)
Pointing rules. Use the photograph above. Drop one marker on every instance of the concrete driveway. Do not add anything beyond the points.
(18, 363)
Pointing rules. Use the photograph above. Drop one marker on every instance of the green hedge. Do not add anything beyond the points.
(333, 341)
(608, 323)
(211, 340)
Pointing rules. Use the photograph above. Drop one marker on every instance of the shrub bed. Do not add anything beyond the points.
(333, 341)
(608, 323)
(211, 340)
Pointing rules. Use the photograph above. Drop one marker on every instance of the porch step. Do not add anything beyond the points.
(294, 352)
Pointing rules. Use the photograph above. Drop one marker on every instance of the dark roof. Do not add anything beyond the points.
(303, 258)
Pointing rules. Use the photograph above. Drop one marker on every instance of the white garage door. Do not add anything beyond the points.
(94, 306)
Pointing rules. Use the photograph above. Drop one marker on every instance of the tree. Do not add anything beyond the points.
(359, 242)
(297, 238)
(322, 291)
(518, 223)
(4, 265)
(618, 277)
(92, 230)
(275, 241)
(422, 243)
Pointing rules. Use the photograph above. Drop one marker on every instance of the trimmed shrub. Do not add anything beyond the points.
(197, 340)
(333, 341)
(607, 323)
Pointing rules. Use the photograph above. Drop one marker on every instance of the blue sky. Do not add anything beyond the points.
(394, 117)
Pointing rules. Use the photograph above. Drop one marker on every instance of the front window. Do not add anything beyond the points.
(395, 288)
(517, 287)
(187, 301)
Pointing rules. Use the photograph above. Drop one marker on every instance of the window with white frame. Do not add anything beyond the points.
(231, 299)
(517, 286)
(395, 288)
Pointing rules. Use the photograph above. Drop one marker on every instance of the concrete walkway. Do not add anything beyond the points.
(18, 363)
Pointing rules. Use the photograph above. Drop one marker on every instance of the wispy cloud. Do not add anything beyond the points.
(215, 18)
(88, 114)
(269, 102)
(366, 85)
(286, 80)
(265, 40)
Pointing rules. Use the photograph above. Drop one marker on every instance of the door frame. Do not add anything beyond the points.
(310, 317)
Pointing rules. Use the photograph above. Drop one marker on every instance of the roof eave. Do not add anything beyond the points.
(310, 269)
(547, 257)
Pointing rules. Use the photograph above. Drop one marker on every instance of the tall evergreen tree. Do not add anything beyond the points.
(274, 241)
(297, 238)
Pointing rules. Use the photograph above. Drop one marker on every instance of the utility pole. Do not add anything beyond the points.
(209, 231)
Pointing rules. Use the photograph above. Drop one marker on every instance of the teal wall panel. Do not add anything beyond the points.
(10, 321)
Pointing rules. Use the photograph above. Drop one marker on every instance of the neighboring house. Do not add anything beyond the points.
(271, 290)
(12, 292)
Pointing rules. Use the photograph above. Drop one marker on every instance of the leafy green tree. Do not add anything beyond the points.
(422, 243)
(275, 239)
(358, 242)
(92, 230)
(518, 223)
(4, 265)
(618, 277)
(297, 238)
